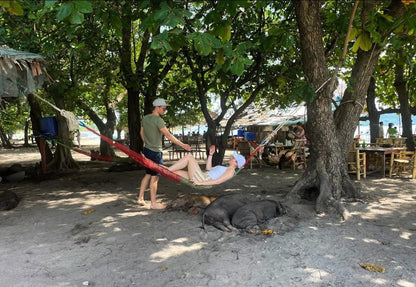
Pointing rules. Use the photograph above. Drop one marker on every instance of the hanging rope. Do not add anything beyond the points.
(274, 132)
(70, 118)
(90, 154)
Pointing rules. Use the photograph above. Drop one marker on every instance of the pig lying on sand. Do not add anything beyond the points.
(220, 211)
(254, 213)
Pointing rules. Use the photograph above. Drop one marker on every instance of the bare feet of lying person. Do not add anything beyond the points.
(141, 202)
(157, 206)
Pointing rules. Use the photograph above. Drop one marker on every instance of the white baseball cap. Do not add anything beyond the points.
(240, 159)
(159, 102)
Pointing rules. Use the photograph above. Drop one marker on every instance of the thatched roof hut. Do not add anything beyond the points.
(21, 72)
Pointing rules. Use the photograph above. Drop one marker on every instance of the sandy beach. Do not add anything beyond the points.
(84, 228)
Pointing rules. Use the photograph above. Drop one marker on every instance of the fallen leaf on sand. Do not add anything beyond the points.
(372, 267)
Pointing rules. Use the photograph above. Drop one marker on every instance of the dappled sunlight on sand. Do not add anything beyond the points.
(404, 283)
(315, 275)
(87, 200)
(175, 248)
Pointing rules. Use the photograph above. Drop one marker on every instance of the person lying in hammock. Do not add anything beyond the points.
(212, 175)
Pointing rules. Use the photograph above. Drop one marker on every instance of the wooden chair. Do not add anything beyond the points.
(301, 154)
(357, 163)
(384, 141)
(245, 149)
(403, 162)
(399, 142)
(196, 143)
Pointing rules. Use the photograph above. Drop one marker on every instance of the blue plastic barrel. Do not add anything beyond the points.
(48, 126)
(249, 136)
(240, 133)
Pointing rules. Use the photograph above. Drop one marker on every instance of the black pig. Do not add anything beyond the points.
(256, 212)
(219, 212)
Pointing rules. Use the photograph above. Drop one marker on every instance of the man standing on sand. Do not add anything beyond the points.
(152, 131)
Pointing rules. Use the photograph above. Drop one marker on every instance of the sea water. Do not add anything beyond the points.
(364, 128)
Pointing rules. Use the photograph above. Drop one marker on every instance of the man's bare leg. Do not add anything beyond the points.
(143, 185)
(153, 190)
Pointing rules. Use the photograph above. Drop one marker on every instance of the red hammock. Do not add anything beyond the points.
(94, 155)
(141, 159)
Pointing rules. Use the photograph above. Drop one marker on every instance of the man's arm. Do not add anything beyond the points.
(174, 140)
(142, 134)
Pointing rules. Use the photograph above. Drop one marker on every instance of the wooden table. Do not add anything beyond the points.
(382, 152)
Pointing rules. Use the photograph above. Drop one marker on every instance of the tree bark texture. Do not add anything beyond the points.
(326, 169)
(332, 133)
(35, 117)
(63, 157)
(400, 85)
(130, 80)
(373, 113)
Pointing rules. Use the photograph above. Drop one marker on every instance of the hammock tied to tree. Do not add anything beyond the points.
(70, 118)
(73, 123)
(164, 171)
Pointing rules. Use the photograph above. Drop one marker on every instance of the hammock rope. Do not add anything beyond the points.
(90, 154)
(274, 132)
(271, 135)
(70, 118)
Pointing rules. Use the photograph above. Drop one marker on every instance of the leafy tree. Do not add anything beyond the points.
(332, 133)
(230, 56)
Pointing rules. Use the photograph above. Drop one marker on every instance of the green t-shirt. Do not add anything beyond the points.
(392, 132)
(152, 135)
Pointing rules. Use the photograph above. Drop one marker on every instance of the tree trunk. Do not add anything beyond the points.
(327, 167)
(26, 135)
(63, 157)
(4, 139)
(36, 116)
(400, 85)
(331, 134)
(373, 113)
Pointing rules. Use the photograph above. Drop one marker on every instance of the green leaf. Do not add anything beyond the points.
(163, 12)
(387, 17)
(223, 31)
(76, 18)
(366, 42)
(5, 4)
(281, 82)
(237, 67)
(50, 3)
(304, 91)
(219, 58)
(15, 8)
(83, 6)
(64, 11)
(238, 64)
(353, 34)
(204, 42)
(160, 42)
(363, 42)
(243, 47)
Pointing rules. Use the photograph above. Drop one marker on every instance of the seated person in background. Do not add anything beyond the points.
(287, 154)
(212, 175)
(392, 131)
(298, 132)
(268, 154)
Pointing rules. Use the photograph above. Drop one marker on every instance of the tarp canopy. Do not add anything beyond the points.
(262, 115)
(21, 73)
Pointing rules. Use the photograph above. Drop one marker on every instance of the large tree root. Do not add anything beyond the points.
(332, 189)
